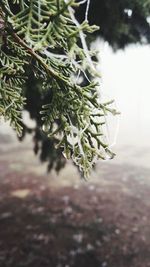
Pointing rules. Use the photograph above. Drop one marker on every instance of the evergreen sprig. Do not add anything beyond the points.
(44, 36)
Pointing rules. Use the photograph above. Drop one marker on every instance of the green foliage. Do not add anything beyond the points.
(43, 38)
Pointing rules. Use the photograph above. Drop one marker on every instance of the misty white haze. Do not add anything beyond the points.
(126, 78)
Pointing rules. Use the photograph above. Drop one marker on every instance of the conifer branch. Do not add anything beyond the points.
(37, 57)
(43, 38)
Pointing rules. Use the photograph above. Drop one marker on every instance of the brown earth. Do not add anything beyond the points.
(63, 221)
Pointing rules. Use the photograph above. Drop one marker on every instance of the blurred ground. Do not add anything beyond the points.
(63, 221)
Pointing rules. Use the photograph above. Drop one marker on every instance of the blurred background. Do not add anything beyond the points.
(60, 220)
(128, 84)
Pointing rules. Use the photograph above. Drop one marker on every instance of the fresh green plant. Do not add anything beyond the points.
(42, 39)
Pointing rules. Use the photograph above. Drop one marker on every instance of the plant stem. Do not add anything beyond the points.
(49, 71)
